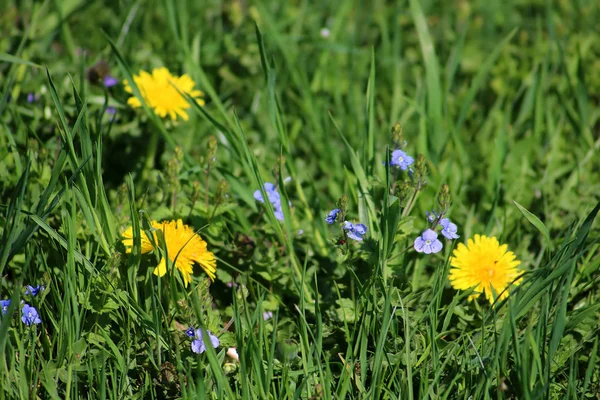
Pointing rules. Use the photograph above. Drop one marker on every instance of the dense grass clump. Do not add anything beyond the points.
(261, 199)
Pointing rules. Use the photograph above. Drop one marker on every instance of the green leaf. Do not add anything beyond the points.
(535, 221)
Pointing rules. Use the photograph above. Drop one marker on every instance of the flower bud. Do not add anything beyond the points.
(397, 135)
(211, 150)
(444, 197)
(403, 191)
(221, 192)
(342, 204)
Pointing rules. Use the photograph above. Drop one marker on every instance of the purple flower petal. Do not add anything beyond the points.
(30, 315)
(401, 159)
(449, 229)
(258, 196)
(429, 235)
(360, 228)
(332, 216)
(436, 246)
(34, 290)
(354, 235)
(428, 242)
(198, 346)
(267, 315)
(4, 304)
(214, 341)
(110, 81)
(419, 244)
(279, 214)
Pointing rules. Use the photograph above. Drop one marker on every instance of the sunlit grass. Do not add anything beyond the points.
(497, 101)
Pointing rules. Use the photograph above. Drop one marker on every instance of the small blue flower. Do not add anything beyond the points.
(332, 216)
(274, 199)
(272, 194)
(110, 81)
(428, 242)
(449, 229)
(4, 304)
(31, 97)
(267, 315)
(198, 345)
(190, 331)
(278, 213)
(433, 216)
(401, 159)
(355, 231)
(30, 315)
(34, 290)
(111, 112)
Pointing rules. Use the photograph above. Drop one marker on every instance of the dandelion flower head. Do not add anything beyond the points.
(184, 246)
(486, 265)
(160, 91)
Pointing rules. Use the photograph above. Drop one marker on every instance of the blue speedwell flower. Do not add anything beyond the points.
(190, 332)
(267, 315)
(331, 217)
(428, 242)
(4, 304)
(272, 194)
(30, 315)
(198, 345)
(274, 199)
(401, 159)
(34, 290)
(449, 229)
(432, 216)
(110, 81)
(355, 231)
(111, 112)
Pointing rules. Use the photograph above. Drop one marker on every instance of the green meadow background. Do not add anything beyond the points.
(501, 97)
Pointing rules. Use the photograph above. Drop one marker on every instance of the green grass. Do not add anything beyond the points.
(500, 98)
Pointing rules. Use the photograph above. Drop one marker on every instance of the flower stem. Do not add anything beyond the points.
(206, 189)
(412, 200)
(151, 154)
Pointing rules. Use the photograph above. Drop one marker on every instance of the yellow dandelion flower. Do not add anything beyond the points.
(159, 91)
(484, 264)
(184, 246)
